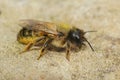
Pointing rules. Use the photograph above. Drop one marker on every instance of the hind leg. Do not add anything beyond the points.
(27, 48)
(45, 45)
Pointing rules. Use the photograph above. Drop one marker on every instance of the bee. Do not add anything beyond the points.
(50, 35)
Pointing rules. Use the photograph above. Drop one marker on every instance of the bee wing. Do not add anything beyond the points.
(39, 25)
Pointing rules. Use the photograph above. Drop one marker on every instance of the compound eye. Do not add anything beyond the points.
(76, 36)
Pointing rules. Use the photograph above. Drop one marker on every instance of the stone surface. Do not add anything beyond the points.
(100, 15)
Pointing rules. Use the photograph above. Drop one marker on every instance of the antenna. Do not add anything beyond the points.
(89, 31)
(89, 45)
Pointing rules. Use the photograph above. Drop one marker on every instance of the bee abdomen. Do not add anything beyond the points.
(25, 36)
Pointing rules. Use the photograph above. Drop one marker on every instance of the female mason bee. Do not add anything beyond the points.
(50, 35)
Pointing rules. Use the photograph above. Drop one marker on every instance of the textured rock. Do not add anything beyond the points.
(100, 15)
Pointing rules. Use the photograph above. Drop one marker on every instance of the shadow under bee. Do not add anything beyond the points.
(49, 48)
(55, 48)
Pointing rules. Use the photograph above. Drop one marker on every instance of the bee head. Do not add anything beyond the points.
(76, 36)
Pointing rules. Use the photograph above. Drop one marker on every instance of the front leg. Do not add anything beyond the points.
(68, 51)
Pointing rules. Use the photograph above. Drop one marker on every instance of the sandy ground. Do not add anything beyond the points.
(100, 15)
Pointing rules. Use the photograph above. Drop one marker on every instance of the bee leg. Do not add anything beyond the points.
(27, 48)
(82, 45)
(43, 48)
(68, 51)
